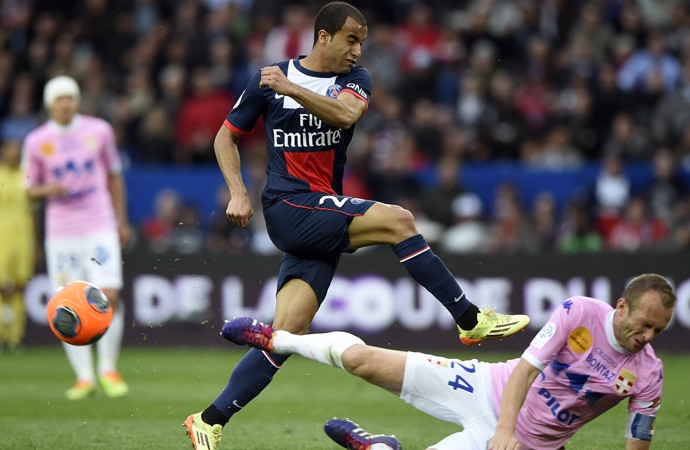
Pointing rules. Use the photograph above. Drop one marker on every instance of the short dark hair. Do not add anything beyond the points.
(332, 16)
(649, 282)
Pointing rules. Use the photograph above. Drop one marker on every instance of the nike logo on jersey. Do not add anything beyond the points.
(459, 297)
(279, 96)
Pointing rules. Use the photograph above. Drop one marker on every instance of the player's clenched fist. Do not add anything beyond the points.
(274, 78)
(239, 210)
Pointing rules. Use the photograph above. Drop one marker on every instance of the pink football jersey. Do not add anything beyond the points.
(585, 372)
(80, 157)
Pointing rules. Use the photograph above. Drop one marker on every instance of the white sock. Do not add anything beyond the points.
(325, 348)
(109, 345)
(80, 358)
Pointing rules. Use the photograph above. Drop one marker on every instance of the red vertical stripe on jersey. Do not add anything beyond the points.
(316, 168)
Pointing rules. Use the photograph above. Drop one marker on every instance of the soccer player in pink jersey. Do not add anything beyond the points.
(73, 164)
(584, 361)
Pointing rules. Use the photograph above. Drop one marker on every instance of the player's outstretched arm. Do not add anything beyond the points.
(239, 209)
(513, 397)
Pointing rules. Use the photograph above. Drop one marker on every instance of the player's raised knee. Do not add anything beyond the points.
(401, 222)
(356, 358)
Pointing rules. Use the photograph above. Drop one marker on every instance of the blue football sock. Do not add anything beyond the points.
(251, 375)
(429, 271)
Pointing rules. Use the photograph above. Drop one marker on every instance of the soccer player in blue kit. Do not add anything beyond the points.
(310, 106)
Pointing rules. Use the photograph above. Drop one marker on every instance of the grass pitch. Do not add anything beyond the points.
(168, 384)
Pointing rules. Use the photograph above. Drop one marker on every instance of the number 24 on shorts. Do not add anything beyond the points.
(460, 382)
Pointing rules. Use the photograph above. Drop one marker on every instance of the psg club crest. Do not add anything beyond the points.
(333, 91)
(625, 382)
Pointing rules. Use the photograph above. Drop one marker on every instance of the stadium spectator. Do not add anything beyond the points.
(140, 92)
(671, 115)
(20, 118)
(172, 80)
(608, 101)
(469, 232)
(97, 96)
(683, 150)
(418, 34)
(310, 106)
(578, 115)
(426, 130)
(223, 236)
(392, 179)
(482, 59)
(438, 202)
(591, 27)
(292, 37)
(17, 251)
(628, 21)
(545, 222)
(610, 193)
(638, 70)
(472, 103)
(383, 56)
(556, 151)
(577, 234)
(502, 128)
(262, 24)
(577, 62)
(196, 121)
(586, 359)
(676, 32)
(679, 239)
(187, 236)
(231, 76)
(157, 228)
(533, 96)
(73, 164)
(510, 229)
(638, 230)
(666, 187)
(156, 137)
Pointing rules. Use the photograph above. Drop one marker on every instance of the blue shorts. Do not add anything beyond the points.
(312, 230)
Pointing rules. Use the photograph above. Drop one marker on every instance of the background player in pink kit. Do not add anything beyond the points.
(585, 360)
(310, 106)
(72, 162)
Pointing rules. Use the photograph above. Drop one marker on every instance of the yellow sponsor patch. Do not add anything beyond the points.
(580, 340)
(47, 148)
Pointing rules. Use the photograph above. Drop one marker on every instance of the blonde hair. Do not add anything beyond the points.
(649, 282)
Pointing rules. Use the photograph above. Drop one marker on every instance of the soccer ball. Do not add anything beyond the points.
(79, 313)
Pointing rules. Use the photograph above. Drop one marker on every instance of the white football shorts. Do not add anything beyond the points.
(95, 257)
(454, 391)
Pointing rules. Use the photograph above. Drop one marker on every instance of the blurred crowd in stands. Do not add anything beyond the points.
(549, 84)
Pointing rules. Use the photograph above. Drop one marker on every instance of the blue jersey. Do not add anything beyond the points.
(305, 154)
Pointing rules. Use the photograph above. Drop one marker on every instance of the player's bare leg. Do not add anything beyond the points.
(382, 367)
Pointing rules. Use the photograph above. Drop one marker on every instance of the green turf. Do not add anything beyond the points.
(168, 384)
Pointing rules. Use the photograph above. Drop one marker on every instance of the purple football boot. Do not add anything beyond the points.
(349, 435)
